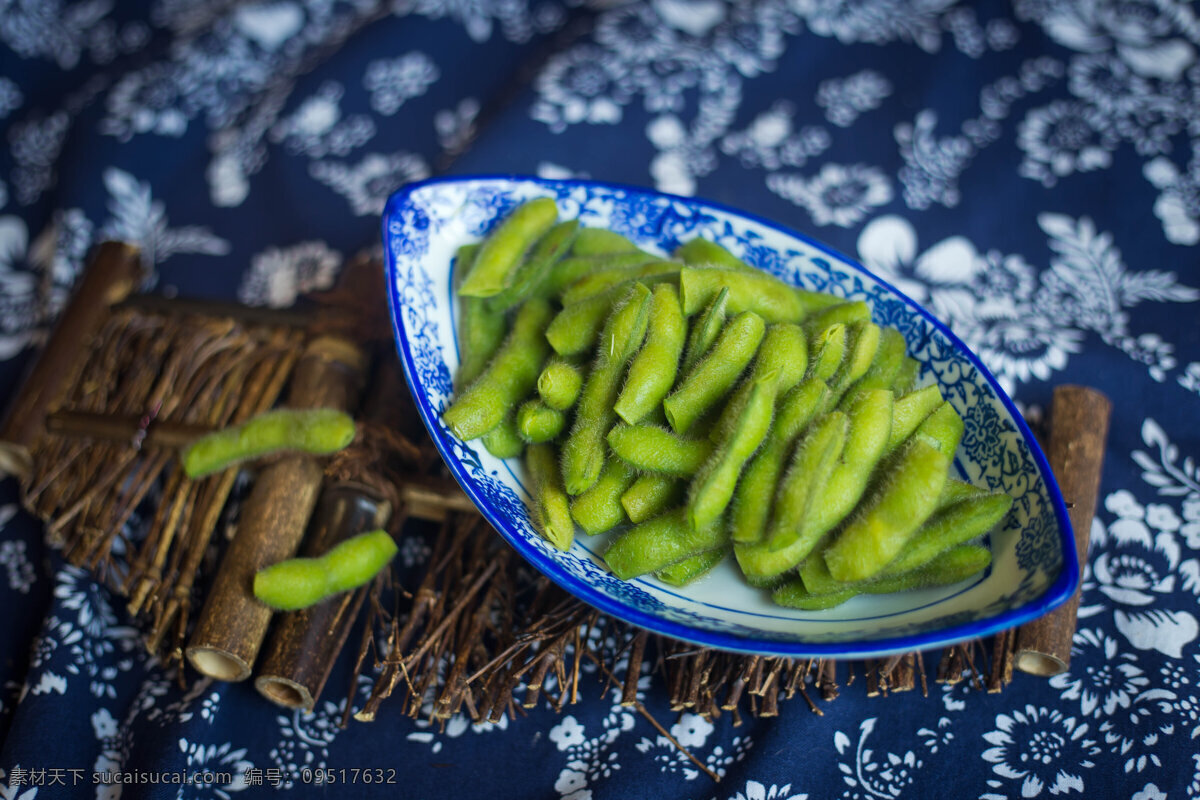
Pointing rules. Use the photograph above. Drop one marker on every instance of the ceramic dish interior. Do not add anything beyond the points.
(1034, 565)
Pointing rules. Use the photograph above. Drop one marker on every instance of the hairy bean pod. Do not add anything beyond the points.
(501, 252)
(309, 430)
(302, 582)
(653, 370)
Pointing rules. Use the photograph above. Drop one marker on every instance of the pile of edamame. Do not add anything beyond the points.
(702, 407)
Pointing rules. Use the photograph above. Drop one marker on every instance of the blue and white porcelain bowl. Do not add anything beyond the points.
(1034, 565)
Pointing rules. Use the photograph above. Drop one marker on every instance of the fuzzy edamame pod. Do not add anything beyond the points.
(943, 429)
(812, 464)
(604, 278)
(765, 295)
(705, 330)
(710, 379)
(568, 270)
(910, 411)
(559, 384)
(502, 250)
(504, 441)
(890, 515)
(652, 371)
(551, 508)
(584, 452)
(508, 378)
(889, 356)
(951, 526)
(575, 329)
(600, 242)
(862, 342)
(481, 327)
(651, 494)
(657, 543)
(599, 508)
(302, 582)
(906, 376)
(828, 349)
(692, 569)
(756, 489)
(844, 313)
(653, 449)
(700, 252)
(311, 430)
(538, 422)
(529, 276)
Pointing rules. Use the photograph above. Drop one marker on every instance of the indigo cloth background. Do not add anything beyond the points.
(1030, 171)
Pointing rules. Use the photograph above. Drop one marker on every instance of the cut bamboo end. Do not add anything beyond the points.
(284, 692)
(218, 663)
(1045, 665)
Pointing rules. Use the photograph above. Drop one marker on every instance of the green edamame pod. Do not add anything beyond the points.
(302, 582)
(599, 508)
(650, 495)
(600, 242)
(584, 451)
(559, 383)
(910, 411)
(906, 376)
(508, 379)
(756, 490)
(529, 276)
(812, 465)
(951, 526)
(692, 569)
(575, 330)
(481, 327)
(654, 449)
(652, 372)
(551, 512)
(862, 342)
(504, 441)
(767, 296)
(712, 488)
(538, 422)
(943, 429)
(572, 268)
(706, 330)
(502, 250)
(890, 515)
(700, 252)
(955, 491)
(311, 430)
(604, 279)
(882, 373)
(844, 313)
(710, 379)
(464, 258)
(828, 348)
(792, 594)
(658, 543)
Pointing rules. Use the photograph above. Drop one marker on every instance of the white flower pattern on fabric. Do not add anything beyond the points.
(278, 275)
(1064, 138)
(1041, 749)
(214, 758)
(367, 184)
(393, 82)
(845, 99)
(316, 128)
(837, 195)
(757, 791)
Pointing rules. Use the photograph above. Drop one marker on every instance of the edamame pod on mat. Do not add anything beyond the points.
(551, 508)
(302, 582)
(501, 252)
(584, 452)
(310, 430)
(653, 370)
(508, 379)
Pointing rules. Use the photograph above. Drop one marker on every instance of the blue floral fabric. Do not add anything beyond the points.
(1030, 171)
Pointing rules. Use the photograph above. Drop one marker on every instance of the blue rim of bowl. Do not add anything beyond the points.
(1055, 595)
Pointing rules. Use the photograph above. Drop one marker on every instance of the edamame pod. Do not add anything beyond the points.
(310, 430)
(906, 376)
(481, 328)
(705, 331)
(710, 379)
(604, 279)
(910, 411)
(890, 515)
(575, 329)
(653, 370)
(654, 449)
(658, 543)
(844, 313)
(601, 242)
(599, 508)
(529, 276)
(943, 429)
(302, 582)
(551, 508)
(882, 373)
(651, 494)
(700, 252)
(692, 569)
(538, 422)
(504, 441)
(828, 347)
(584, 451)
(755, 491)
(502, 250)
(559, 384)
(508, 378)
(813, 463)
(949, 527)
(862, 343)
(765, 295)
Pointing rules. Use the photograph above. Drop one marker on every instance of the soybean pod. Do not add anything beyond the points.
(769, 297)
(705, 330)
(651, 494)
(532, 273)
(710, 379)
(604, 279)
(508, 378)
(584, 451)
(601, 242)
(302, 582)
(658, 543)
(538, 422)
(653, 370)
(551, 508)
(692, 569)
(653, 449)
(700, 252)
(481, 327)
(504, 441)
(910, 411)
(501, 252)
(559, 384)
(599, 508)
(812, 465)
(314, 430)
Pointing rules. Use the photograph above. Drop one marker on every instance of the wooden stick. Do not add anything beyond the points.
(233, 622)
(113, 272)
(1078, 431)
